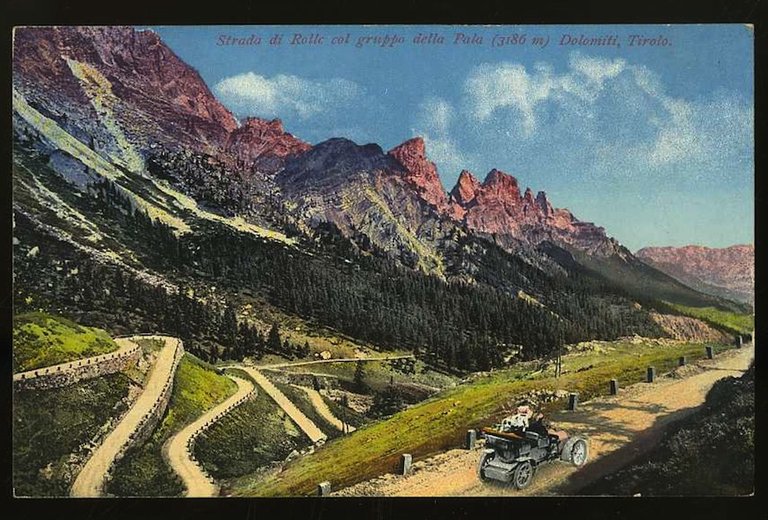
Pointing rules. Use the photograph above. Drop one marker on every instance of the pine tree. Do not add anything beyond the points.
(359, 380)
(273, 340)
(228, 328)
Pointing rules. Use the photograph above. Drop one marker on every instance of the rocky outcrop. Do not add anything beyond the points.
(420, 172)
(263, 144)
(332, 164)
(496, 207)
(689, 329)
(727, 272)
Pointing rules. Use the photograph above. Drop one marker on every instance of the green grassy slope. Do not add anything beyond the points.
(49, 425)
(41, 340)
(252, 436)
(379, 373)
(732, 322)
(143, 471)
(440, 422)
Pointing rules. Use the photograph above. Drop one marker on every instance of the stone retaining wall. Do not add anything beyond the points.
(69, 374)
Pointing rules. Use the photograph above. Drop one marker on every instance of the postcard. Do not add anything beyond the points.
(389, 261)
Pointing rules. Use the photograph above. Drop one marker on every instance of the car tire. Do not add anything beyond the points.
(579, 453)
(523, 475)
(484, 460)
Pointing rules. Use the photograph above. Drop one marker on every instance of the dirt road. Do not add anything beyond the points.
(338, 360)
(177, 449)
(322, 409)
(619, 428)
(302, 421)
(90, 480)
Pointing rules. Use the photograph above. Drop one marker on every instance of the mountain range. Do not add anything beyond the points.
(115, 105)
(728, 272)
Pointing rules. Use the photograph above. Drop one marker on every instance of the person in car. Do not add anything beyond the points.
(519, 421)
(544, 428)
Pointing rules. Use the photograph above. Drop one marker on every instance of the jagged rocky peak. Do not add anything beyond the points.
(420, 171)
(544, 206)
(528, 197)
(264, 143)
(501, 186)
(466, 188)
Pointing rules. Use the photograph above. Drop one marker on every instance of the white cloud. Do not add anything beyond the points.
(252, 94)
(505, 85)
(596, 70)
(433, 121)
(490, 88)
(618, 110)
(436, 113)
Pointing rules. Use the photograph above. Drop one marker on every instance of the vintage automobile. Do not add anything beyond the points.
(512, 454)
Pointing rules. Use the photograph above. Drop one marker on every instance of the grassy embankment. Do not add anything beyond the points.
(143, 471)
(49, 426)
(345, 413)
(441, 422)
(300, 398)
(249, 438)
(41, 340)
(728, 321)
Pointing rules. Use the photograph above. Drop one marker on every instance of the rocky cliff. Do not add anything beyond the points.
(109, 84)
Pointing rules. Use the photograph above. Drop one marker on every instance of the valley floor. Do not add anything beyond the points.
(620, 429)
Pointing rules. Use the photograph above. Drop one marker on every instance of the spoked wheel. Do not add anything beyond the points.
(523, 475)
(484, 460)
(579, 453)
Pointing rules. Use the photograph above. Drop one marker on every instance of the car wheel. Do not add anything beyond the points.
(579, 453)
(484, 460)
(523, 475)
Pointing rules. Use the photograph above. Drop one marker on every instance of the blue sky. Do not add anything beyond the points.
(655, 143)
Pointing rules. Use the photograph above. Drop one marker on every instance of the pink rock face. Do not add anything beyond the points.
(466, 189)
(499, 187)
(264, 143)
(420, 171)
(496, 206)
(543, 203)
(161, 94)
(463, 195)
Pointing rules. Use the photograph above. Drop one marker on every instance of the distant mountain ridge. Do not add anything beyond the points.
(728, 272)
(129, 99)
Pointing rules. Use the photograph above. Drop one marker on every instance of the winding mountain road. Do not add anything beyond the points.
(91, 479)
(331, 360)
(302, 421)
(620, 428)
(322, 408)
(178, 448)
